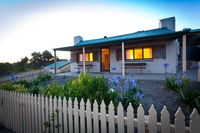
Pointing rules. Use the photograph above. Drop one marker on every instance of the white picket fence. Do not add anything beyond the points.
(25, 113)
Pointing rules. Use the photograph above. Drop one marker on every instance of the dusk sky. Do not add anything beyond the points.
(37, 25)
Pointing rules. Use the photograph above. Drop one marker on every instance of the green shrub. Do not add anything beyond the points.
(52, 89)
(36, 90)
(41, 78)
(89, 87)
(25, 83)
(175, 84)
(189, 96)
(11, 87)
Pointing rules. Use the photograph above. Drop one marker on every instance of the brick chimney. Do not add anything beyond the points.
(168, 23)
(77, 39)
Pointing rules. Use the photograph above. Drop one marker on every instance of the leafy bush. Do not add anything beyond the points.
(11, 87)
(52, 89)
(189, 96)
(41, 78)
(35, 90)
(175, 83)
(89, 87)
(25, 83)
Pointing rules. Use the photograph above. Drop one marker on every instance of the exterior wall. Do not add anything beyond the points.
(115, 66)
(153, 65)
(96, 64)
(171, 59)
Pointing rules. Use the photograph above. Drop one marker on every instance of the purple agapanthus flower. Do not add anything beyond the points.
(138, 95)
(183, 73)
(12, 76)
(29, 73)
(130, 84)
(165, 65)
(195, 66)
(178, 82)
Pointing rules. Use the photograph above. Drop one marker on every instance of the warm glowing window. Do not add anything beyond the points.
(88, 57)
(129, 54)
(147, 53)
(138, 53)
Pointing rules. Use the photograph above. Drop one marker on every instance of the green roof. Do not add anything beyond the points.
(139, 34)
(59, 64)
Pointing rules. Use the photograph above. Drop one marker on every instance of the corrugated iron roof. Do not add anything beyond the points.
(59, 64)
(139, 34)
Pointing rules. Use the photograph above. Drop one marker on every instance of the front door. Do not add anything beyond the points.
(105, 59)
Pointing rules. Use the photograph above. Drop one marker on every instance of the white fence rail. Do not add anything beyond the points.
(25, 113)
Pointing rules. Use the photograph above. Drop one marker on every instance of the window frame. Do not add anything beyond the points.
(81, 54)
(142, 53)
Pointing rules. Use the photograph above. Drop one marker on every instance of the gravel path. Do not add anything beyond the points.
(159, 97)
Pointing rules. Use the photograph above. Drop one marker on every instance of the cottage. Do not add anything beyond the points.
(139, 52)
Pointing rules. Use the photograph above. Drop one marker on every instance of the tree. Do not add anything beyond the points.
(5, 68)
(36, 59)
(47, 56)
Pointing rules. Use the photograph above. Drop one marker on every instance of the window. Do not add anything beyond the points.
(147, 53)
(129, 54)
(139, 53)
(88, 57)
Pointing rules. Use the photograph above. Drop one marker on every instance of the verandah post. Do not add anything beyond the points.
(55, 60)
(123, 66)
(184, 66)
(84, 60)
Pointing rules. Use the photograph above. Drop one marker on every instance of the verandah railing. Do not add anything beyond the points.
(25, 113)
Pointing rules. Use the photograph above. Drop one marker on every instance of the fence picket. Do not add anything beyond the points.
(96, 117)
(120, 118)
(130, 119)
(42, 114)
(141, 119)
(103, 117)
(70, 116)
(152, 120)
(39, 114)
(60, 115)
(55, 112)
(165, 121)
(111, 119)
(51, 114)
(88, 117)
(65, 117)
(179, 121)
(76, 117)
(82, 116)
(194, 122)
(27, 113)
(47, 115)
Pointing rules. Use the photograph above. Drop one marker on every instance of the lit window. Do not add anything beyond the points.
(138, 53)
(129, 54)
(147, 53)
(91, 56)
(88, 57)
